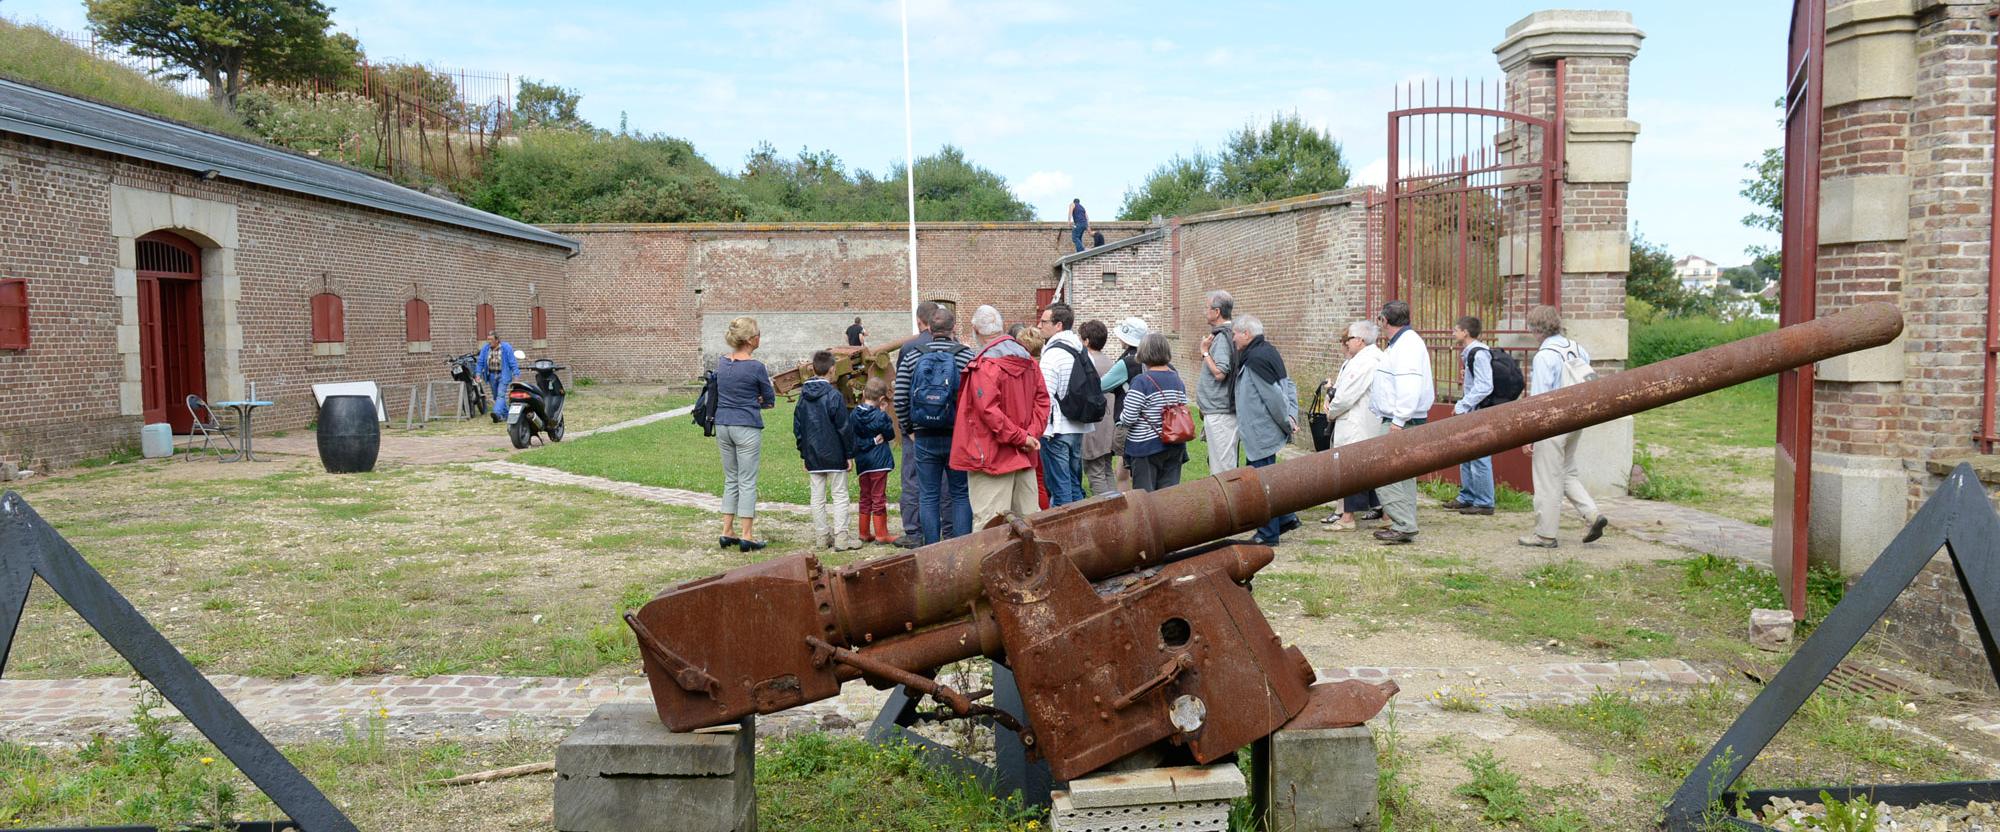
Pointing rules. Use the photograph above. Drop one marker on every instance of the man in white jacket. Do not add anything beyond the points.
(1401, 397)
(1062, 442)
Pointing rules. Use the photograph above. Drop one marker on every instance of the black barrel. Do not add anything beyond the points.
(349, 437)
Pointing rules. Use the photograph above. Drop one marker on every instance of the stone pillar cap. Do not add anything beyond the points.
(1566, 33)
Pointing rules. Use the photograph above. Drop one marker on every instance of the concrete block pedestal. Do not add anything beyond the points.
(1318, 780)
(1180, 798)
(622, 771)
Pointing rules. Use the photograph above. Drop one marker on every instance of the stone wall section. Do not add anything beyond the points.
(652, 300)
(71, 396)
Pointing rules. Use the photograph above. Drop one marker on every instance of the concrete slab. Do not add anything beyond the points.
(622, 771)
(1321, 780)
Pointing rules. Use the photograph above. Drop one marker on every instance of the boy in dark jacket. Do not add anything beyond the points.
(820, 426)
(873, 434)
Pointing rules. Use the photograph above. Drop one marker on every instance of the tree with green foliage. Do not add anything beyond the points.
(1184, 185)
(548, 105)
(951, 188)
(1744, 278)
(334, 61)
(1283, 159)
(1651, 278)
(222, 42)
(558, 176)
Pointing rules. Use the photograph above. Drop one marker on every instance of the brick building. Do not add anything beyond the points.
(146, 260)
(1899, 150)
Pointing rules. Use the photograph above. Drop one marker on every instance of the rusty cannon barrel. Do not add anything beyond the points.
(734, 644)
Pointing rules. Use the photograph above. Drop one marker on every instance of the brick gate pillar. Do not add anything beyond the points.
(1597, 48)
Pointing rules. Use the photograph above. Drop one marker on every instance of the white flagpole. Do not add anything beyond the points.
(910, 170)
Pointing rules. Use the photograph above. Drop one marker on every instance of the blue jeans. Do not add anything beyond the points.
(1076, 237)
(499, 389)
(1062, 467)
(940, 513)
(1268, 533)
(1475, 482)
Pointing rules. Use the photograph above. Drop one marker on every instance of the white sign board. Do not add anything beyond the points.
(352, 388)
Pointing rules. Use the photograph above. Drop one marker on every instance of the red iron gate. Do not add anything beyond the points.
(1473, 215)
(1797, 299)
(1470, 225)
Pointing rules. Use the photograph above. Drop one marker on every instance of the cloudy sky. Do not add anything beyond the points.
(1083, 100)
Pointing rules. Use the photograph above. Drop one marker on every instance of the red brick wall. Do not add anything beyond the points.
(1143, 286)
(60, 401)
(640, 293)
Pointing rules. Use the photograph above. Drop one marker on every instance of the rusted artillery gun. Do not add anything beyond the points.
(1167, 643)
(852, 367)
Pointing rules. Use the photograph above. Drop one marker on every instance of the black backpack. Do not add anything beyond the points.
(1083, 401)
(705, 404)
(1507, 379)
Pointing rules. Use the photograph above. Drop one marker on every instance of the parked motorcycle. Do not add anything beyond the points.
(536, 407)
(465, 371)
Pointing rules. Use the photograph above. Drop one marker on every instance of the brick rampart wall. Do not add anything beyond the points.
(59, 399)
(643, 296)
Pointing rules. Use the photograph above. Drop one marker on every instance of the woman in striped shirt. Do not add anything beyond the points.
(1154, 464)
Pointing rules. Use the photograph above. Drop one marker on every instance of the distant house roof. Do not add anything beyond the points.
(51, 116)
(1691, 258)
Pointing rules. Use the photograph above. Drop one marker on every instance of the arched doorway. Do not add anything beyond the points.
(170, 338)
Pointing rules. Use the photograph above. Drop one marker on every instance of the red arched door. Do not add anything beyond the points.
(170, 340)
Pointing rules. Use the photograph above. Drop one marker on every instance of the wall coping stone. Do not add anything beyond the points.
(779, 227)
(1987, 466)
(1345, 196)
(1568, 33)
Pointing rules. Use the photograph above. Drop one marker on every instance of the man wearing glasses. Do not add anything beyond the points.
(1212, 392)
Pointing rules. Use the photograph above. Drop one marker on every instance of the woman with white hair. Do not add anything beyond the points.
(1352, 420)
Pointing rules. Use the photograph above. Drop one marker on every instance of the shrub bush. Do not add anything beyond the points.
(1666, 337)
(36, 56)
(340, 124)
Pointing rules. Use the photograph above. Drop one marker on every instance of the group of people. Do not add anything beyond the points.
(1029, 417)
(1390, 388)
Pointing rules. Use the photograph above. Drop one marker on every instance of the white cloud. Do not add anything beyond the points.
(1046, 185)
(1374, 173)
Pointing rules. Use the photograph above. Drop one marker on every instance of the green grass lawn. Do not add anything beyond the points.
(674, 454)
(1713, 452)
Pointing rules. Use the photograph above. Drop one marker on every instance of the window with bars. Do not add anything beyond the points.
(14, 314)
(417, 321)
(329, 319)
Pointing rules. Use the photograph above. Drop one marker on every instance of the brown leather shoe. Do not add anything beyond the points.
(1482, 511)
(1393, 537)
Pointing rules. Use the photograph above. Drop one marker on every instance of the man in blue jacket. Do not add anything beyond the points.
(498, 367)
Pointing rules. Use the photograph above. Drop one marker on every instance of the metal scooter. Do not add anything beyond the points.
(465, 371)
(536, 408)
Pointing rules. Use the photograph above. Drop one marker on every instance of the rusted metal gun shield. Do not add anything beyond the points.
(1075, 654)
(1344, 704)
(760, 669)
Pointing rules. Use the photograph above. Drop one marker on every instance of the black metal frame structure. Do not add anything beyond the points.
(1958, 519)
(1012, 770)
(30, 547)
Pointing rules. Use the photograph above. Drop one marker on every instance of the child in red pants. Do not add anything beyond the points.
(873, 434)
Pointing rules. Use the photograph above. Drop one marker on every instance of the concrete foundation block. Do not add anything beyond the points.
(1177, 798)
(1321, 779)
(623, 771)
(1858, 505)
(1604, 457)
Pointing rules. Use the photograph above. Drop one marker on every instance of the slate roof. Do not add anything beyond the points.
(52, 116)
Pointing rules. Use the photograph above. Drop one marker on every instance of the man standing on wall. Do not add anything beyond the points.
(1079, 222)
(906, 504)
(1001, 411)
(1062, 443)
(1475, 478)
(1212, 392)
(1402, 396)
(498, 367)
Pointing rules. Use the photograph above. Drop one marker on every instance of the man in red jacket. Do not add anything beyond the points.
(1003, 406)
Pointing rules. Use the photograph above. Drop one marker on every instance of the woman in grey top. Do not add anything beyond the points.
(742, 388)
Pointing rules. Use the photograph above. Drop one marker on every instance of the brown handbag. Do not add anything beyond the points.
(1176, 424)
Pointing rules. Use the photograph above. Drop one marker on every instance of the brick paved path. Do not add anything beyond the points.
(1689, 528)
(65, 710)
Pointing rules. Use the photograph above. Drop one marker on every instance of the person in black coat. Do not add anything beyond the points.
(820, 427)
(873, 434)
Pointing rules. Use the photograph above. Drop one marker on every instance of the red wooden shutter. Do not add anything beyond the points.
(416, 321)
(14, 314)
(483, 321)
(329, 324)
(538, 322)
